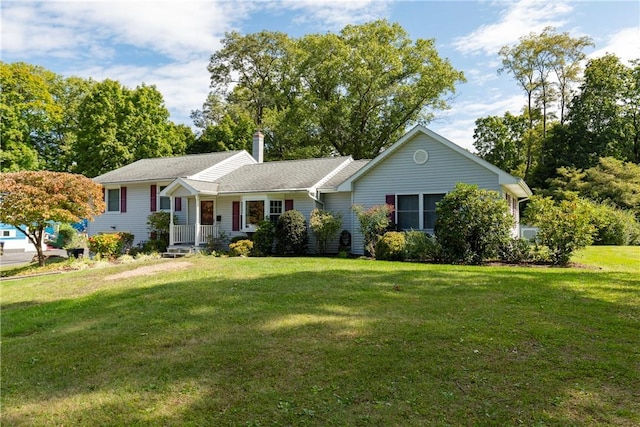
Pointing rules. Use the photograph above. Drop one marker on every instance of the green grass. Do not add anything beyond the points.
(315, 341)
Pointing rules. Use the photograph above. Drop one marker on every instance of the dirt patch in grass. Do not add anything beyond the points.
(150, 270)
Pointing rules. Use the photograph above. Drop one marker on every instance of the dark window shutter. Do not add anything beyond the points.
(288, 205)
(123, 199)
(177, 204)
(390, 199)
(104, 199)
(235, 215)
(154, 203)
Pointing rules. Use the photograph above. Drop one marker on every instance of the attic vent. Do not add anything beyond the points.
(420, 157)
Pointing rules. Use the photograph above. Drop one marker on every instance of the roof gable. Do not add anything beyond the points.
(515, 185)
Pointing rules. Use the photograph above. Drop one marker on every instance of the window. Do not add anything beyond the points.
(113, 200)
(8, 233)
(165, 202)
(408, 212)
(416, 211)
(254, 213)
(429, 210)
(275, 210)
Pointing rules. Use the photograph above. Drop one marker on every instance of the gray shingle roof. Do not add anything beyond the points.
(345, 173)
(276, 176)
(164, 168)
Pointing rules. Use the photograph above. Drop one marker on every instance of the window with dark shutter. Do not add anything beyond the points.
(390, 199)
(235, 216)
(123, 199)
(153, 203)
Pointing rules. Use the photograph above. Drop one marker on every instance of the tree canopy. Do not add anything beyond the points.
(31, 200)
(350, 93)
(77, 125)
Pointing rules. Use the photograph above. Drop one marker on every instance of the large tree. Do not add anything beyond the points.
(118, 125)
(351, 93)
(501, 141)
(31, 200)
(28, 112)
(546, 67)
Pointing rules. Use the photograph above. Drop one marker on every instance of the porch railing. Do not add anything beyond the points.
(187, 234)
(206, 232)
(184, 234)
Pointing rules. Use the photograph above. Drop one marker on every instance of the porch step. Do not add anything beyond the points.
(177, 251)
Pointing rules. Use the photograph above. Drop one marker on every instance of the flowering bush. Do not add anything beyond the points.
(110, 245)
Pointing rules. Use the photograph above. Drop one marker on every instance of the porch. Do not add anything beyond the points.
(191, 234)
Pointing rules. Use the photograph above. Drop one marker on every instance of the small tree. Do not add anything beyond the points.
(159, 224)
(263, 238)
(291, 233)
(374, 222)
(325, 226)
(31, 200)
(563, 226)
(472, 224)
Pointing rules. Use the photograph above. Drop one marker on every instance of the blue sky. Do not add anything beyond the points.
(168, 43)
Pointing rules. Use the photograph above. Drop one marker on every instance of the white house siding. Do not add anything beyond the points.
(339, 203)
(220, 169)
(399, 174)
(135, 219)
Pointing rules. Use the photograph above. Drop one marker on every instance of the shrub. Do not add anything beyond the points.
(515, 251)
(106, 245)
(216, 244)
(291, 233)
(391, 247)
(325, 226)
(159, 226)
(614, 226)
(420, 246)
(241, 248)
(263, 238)
(127, 241)
(153, 246)
(563, 226)
(472, 224)
(374, 222)
(66, 233)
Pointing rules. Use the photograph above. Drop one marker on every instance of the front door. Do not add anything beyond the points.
(206, 212)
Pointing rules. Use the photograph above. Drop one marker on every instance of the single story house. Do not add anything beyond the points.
(232, 191)
(14, 240)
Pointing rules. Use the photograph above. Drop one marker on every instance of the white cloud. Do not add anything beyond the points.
(623, 43)
(335, 14)
(458, 123)
(517, 20)
(175, 29)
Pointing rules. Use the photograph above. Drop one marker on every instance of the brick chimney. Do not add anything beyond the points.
(258, 146)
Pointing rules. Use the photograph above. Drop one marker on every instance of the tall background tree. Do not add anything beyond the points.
(351, 93)
(32, 200)
(118, 125)
(546, 67)
(73, 124)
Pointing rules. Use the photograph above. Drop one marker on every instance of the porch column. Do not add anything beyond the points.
(197, 242)
(171, 238)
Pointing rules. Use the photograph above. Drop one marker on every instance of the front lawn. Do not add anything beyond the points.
(320, 341)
